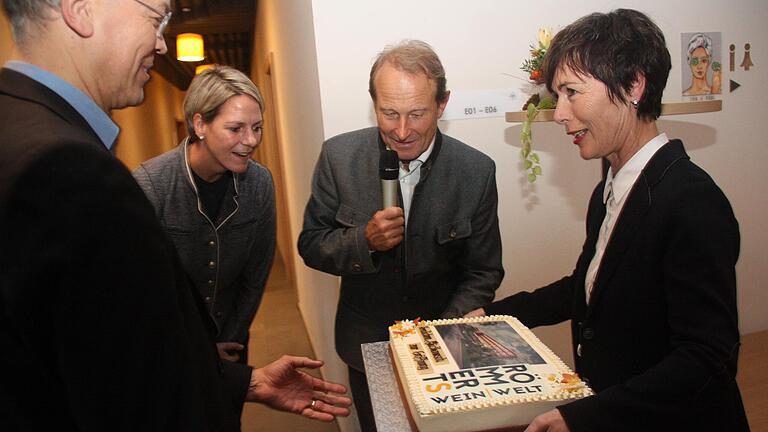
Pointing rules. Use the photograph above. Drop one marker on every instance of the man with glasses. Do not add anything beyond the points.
(99, 326)
(164, 18)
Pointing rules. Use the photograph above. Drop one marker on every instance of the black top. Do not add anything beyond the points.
(212, 193)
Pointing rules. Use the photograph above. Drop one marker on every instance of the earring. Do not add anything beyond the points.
(634, 104)
(202, 137)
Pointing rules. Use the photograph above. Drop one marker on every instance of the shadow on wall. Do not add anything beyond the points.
(563, 168)
(694, 135)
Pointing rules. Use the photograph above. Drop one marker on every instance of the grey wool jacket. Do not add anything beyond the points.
(228, 259)
(449, 262)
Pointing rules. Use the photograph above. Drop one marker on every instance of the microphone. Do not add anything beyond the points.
(388, 172)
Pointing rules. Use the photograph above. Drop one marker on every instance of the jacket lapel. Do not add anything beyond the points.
(633, 214)
(23, 87)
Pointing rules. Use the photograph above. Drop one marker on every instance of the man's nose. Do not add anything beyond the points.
(160, 46)
(402, 128)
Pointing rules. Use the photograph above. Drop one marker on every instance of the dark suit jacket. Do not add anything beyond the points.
(98, 325)
(659, 339)
(449, 262)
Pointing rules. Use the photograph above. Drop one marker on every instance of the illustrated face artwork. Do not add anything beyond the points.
(699, 63)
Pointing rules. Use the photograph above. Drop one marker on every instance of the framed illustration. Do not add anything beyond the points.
(701, 65)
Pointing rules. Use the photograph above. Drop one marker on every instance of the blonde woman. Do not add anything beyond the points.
(217, 204)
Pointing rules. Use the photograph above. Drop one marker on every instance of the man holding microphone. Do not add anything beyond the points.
(436, 252)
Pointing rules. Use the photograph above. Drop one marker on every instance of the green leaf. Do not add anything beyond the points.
(531, 178)
(547, 103)
(528, 164)
(526, 150)
(535, 157)
(537, 170)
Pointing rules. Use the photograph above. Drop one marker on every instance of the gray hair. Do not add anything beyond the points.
(413, 57)
(211, 89)
(21, 13)
(699, 40)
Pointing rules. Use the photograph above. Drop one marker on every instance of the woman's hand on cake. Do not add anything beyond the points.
(475, 313)
(282, 386)
(550, 421)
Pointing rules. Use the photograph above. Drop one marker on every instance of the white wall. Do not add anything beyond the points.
(480, 43)
(285, 30)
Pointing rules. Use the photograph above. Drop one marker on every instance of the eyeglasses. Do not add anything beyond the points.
(165, 18)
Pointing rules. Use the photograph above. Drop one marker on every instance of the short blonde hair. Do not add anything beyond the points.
(211, 89)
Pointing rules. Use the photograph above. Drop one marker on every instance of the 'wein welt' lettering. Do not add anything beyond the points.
(517, 390)
(459, 397)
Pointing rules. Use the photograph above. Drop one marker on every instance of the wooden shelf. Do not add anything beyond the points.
(672, 108)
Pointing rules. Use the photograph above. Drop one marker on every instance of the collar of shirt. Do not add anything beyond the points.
(416, 163)
(629, 173)
(99, 121)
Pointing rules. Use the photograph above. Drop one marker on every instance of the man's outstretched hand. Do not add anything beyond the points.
(282, 386)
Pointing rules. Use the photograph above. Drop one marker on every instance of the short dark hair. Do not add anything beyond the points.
(413, 57)
(614, 48)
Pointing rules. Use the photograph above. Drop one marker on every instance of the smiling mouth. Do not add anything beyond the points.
(242, 154)
(578, 135)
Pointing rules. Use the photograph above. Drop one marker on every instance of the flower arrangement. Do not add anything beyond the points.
(533, 64)
(536, 102)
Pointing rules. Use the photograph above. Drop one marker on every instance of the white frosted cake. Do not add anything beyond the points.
(475, 374)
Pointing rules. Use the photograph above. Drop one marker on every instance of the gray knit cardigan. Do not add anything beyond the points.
(228, 259)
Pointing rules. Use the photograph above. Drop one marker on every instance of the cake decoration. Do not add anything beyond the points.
(404, 327)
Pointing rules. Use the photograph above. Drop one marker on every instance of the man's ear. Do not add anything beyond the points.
(442, 104)
(78, 15)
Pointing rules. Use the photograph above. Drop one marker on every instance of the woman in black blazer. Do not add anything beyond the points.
(652, 300)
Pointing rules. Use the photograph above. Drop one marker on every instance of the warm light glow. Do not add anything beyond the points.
(189, 47)
(199, 69)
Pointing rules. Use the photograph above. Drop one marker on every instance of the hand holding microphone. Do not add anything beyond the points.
(385, 230)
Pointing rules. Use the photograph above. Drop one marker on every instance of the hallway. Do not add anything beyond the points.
(278, 329)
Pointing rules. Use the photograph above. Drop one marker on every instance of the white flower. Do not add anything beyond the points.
(545, 37)
(407, 324)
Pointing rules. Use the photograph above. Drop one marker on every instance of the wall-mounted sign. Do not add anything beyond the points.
(467, 104)
(702, 71)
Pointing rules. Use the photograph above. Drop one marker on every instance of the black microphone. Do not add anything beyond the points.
(388, 172)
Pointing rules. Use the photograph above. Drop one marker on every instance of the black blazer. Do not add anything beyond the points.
(659, 339)
(98, 325)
